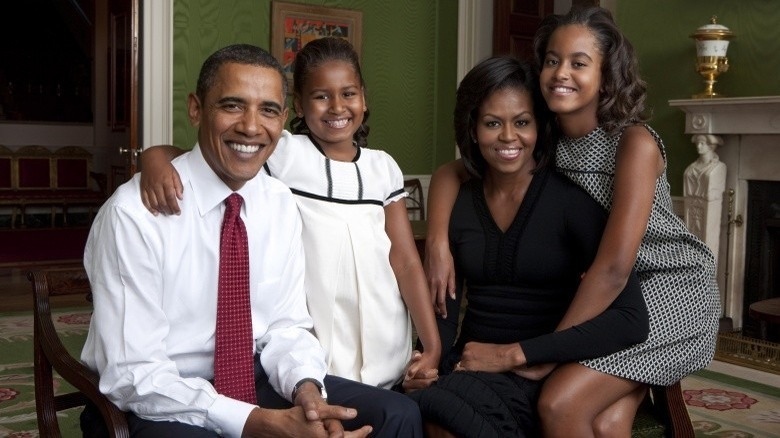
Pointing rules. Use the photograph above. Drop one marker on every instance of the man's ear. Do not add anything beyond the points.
(297, 105)
(193, 109)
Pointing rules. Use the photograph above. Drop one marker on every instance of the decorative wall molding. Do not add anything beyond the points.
(157, 50)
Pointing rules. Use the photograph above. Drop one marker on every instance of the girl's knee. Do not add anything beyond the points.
(555, 405)
(611, 426)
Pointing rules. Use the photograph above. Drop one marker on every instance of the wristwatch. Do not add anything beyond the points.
(320, 386)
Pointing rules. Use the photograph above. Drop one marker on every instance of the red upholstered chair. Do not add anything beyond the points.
(34, 179)
(72, 167)
(33, 168)
(73, 180)
(8, 196)
(6, 179)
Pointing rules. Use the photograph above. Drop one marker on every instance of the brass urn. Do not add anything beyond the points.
(712, 42)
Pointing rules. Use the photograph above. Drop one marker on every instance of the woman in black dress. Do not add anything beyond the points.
(522, 237)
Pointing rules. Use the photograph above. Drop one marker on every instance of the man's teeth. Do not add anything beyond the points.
(337, 123)
(245, 148)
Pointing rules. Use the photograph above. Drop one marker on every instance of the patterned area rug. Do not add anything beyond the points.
(726, 406)
(17, 396)
(719, 405)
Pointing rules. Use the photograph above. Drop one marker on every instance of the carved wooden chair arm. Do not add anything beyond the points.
(51, 354)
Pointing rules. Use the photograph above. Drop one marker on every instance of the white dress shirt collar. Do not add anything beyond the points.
(208, 189)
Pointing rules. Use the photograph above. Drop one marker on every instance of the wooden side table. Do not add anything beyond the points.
(768, 312)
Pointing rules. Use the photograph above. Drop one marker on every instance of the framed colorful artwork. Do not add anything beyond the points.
(293, 25)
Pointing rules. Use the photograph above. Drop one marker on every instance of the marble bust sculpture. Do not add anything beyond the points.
(705, 182)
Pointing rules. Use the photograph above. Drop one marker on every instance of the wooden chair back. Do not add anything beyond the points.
(669, 405)
(49, 354)
(415, 202)
(663, 414)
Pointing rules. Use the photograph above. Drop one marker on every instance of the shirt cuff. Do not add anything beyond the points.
(229, 416)
(296, 375)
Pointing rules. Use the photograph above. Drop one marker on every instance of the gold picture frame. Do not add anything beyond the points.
(293, 25)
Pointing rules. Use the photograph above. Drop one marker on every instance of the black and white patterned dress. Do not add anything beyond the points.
(676, 270)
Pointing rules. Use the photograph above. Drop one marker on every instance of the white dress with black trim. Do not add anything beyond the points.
(354, 300)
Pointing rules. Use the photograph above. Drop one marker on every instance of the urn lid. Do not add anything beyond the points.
(713, 31)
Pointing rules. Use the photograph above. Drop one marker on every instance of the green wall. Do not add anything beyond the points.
(660, 32)
(408, 59)
(409, 63)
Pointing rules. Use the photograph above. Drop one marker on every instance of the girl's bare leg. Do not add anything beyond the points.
(618, 419)
(574, 396)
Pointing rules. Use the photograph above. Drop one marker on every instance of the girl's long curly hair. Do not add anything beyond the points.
(623, 92)
(314, 54)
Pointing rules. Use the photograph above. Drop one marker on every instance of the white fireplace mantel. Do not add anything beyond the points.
(732, 115)
(750, 128)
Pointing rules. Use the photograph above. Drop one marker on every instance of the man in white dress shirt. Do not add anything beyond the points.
(154, 281)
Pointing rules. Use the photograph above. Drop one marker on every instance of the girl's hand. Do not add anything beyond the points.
(492, 358)
(421, 371)
(536, 372)
(161, 186)
(440, 270)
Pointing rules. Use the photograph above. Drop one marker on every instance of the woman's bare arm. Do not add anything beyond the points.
(439, 266)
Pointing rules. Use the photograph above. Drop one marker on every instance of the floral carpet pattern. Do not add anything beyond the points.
(719, 405)
(728, 407)
(17, 396)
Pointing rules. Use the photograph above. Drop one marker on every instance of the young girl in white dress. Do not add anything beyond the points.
(362, 267)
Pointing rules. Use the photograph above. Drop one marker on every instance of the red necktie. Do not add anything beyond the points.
(233, 362)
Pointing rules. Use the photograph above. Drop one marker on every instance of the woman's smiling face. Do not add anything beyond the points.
(506, 131)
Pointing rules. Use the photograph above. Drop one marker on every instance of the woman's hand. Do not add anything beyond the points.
(421, 371)
(536, 372)
(492, 358)
(440, 270)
